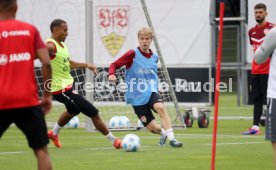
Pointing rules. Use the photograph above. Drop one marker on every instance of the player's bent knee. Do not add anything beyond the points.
(159, 107)
(151, 129)
(96, 117)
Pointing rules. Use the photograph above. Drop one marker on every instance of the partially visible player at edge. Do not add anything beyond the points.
(267, 48)
(259, 73)
(142, 87)
(20, 45)
(62, 87)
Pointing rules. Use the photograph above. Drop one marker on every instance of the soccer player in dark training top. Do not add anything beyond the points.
(20, 45)
(259, 72)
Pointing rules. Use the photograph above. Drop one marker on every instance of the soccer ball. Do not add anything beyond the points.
(124, 122)
(114, 122)
(73, 123)
(131, 143)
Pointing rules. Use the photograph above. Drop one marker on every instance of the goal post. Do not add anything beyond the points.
(165, 71)
(89, 53)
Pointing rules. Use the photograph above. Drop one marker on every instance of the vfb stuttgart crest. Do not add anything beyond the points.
(112, 24)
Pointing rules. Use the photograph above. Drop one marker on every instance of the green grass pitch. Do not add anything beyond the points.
(85, 150)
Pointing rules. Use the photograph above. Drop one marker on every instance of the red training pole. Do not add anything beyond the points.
(219, 53)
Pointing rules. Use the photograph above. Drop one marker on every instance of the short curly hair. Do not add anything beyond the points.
(55, 23)
(260, 6)
(7, 4)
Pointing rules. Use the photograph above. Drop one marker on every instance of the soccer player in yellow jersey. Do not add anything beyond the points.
(62, 85)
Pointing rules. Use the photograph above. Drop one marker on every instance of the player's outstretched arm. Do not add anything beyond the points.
(74, 64)
(125, 60)
(267, 47)
(44, 58)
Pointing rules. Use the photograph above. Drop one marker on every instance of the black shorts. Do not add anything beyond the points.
(30, 121)
(259, 85)
(144, 113)
(75, 103)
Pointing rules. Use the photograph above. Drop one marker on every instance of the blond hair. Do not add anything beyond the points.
(145, 31)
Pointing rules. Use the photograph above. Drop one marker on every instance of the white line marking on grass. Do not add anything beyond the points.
(219, 136)
(237, 143)
(111, 148)
(181, 136)
(233, 118)
(208, 157)
(10, 153)
(101, 148)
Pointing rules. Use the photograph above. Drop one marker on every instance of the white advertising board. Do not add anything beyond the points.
(182, 27)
